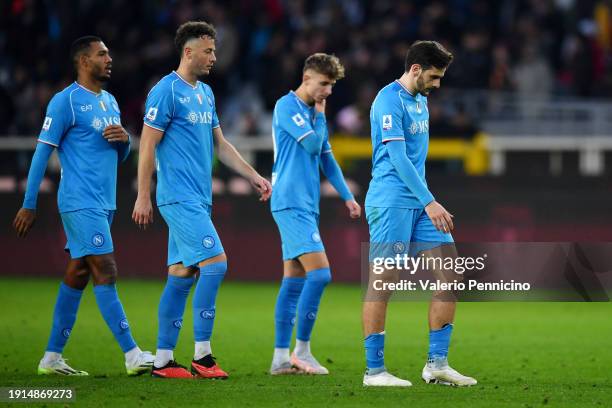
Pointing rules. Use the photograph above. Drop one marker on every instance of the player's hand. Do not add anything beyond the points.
(263, 187)
(143, 212)
(115, 133)
(441, 219)
(320, 106)
(24, 220)
(354, 208)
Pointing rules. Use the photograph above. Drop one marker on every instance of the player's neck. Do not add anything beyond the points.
(186, 75)
(409, 83)
(90, 84)
(303, 95)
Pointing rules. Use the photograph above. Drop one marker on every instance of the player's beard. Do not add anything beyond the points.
(421, 87)
(99, 74)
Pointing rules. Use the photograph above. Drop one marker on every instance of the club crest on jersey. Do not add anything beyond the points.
(47, 123)
(152, 113)
(199, 98)
(387, 122)
(103, 106)
(399, 247)
(315, 237)
(418, 108)
(298, 119)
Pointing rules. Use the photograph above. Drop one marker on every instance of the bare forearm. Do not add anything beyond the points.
(231, 158)
(146, 166)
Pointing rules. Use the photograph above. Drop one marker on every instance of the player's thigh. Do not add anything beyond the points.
(314, 260)
(299, 231)
(390, 230)
(292, 268)
(88, 232)
(191, 233)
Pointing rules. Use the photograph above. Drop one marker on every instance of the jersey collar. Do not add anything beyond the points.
(88, 90)
(404, 88)
(300, 100)
(185, 81)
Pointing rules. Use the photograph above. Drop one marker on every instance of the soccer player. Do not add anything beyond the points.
(179, 126)
(83, 123)
(401, 211)
(301, 147)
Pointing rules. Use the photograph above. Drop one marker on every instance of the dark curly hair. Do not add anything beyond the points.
(192, 29)
(325, 64)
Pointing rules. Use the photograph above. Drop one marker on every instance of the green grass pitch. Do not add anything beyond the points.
(523, 354)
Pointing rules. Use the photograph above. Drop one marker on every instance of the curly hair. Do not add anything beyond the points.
(325, 64)
(190, 30)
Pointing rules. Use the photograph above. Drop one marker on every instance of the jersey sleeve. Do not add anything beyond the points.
(387, 115)
(292, 120)
(326, 146)
(58, 119)
(159, 107)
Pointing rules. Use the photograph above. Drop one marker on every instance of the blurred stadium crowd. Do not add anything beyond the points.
(531, 47)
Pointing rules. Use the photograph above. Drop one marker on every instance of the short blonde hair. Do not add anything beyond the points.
(325, 64)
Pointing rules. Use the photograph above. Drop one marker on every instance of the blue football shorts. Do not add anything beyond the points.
(402, 230)
(88, 232)
(192, 237)
(299, 231)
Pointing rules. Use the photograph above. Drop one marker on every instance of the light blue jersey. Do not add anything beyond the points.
(397, 115)
(295, 174)
(75, 120)
(184, 157)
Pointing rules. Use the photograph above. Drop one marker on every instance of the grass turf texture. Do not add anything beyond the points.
(523, 354)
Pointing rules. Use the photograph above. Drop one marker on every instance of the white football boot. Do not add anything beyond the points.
(439, 372)
(384, 379)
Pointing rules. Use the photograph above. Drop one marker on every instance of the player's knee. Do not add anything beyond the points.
(320, 276)
(217, 269)
(104, 270)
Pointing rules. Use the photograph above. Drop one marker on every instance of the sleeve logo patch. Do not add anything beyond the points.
(387, 122)
(152, 113)
(298, 119)
(47, 123)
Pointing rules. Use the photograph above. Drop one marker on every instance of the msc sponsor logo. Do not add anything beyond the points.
(100, 123)
(199, 117)
(422, 126)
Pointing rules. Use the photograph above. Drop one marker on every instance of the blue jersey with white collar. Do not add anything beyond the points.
(397, 115)
(295, 174)
(74, 122)
(184, 157)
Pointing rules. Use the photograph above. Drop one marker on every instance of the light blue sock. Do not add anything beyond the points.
(438, 342)
(375, 353)
(64, 316)
(204, 299)
(114, 316)
(171, 309)
(308, 305)
(286, 305)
